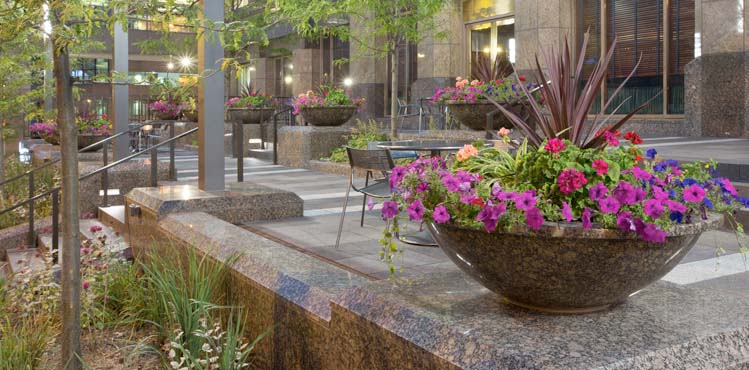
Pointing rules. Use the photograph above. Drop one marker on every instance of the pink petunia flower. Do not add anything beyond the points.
(440, 214)
(694, 193)
(601, 167)
(567, 212)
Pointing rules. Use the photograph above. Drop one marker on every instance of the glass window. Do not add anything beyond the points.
(492, 41)
(87, 69)
(638, 26)
(481, 9)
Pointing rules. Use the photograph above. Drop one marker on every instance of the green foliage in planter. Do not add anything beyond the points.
(17, 191)
(22, 344)
(360, 136)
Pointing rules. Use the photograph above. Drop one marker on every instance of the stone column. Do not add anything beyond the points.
(306, 74)
(211, 105)
(119, 110)
(717, 103)
(264, 72)
(368, 72)
(541, 24)
(439, 61)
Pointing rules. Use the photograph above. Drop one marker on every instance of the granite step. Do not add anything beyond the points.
(92, 229)
(24, 259)
(114, 217)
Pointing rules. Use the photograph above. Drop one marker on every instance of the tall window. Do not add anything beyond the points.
(407, 64)
(491, 41)
(86, 69)
(639, 27)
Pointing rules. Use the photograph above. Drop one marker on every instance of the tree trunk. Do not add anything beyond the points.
(2, 155)
(394, 93)
(71, 258)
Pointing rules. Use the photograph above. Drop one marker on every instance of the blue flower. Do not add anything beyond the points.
(651, 153)
(676, 217)
(744, 201)
(689, 181)
(672, 193)
(708, 203)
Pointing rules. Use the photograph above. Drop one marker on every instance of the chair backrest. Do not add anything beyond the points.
(370, 159)
(401, 103)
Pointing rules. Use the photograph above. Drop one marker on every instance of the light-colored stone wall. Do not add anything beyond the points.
(307, 72)
(541, 24)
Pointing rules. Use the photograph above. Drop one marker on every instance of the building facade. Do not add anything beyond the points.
(691, 53)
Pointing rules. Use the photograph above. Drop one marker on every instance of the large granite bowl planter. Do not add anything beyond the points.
(165, 116)
(85, 140)
(52, 139)
(328, 116)
(473, 115)
(190, 116)
(566, 269)
(251, 116)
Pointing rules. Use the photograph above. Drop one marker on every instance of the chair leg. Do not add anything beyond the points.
(364, 203)
(343, 213)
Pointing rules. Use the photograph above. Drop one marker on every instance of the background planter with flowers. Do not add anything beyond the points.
(576, 220)
(253, 108)
(468, 104)
(166, 110)
(331, 106)
(91, 129)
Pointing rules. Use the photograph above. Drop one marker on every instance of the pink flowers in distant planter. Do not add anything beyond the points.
(166, 108)
(326, 96)
(44, 129)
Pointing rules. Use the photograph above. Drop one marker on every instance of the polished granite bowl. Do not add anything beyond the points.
(473, 115)
(564, 268)
(251, 116)
(328, 116)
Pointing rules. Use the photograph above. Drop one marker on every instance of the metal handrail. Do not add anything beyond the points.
(34, 170)
(103, 170)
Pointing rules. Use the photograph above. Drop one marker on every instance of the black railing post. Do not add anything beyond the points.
(238, 137)
(275, 137)
(105, 175)
(154, 167)
(55, 225)
(30, 236)
(172, 144)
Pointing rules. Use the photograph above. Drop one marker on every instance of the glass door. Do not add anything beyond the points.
(491, 42)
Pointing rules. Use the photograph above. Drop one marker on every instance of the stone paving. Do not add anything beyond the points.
(323, 193)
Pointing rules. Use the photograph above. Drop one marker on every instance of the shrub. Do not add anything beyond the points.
(360, 136)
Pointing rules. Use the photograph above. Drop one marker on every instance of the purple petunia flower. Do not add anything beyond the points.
(389, 209)
(370, 203)
(676, 206)
(652, 233)
(567, 212)
(533, 218)
(586, 218)
(694, 193)
(654, 208)
(422, 187)
(624, 221)
(659, 193)
(598, 191)
(609, 205)
(525, 201)
(507, 195)
(440, 214)
(624, 193)
(651, 153)
(397, 175)
(415, 210)
(450, 182)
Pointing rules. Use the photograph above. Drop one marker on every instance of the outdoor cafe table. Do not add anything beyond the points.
(435, 147)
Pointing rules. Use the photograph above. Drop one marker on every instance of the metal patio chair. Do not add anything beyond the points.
(406, 110)
(372, 161)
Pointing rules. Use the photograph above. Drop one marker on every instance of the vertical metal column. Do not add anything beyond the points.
(105, 175)
(119, 111)
(154, 167)
(172, 144)
(211, 103)
(30, 237)
(56, 255)
(238, 137)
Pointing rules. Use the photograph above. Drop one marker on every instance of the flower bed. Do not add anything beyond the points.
(329, 106)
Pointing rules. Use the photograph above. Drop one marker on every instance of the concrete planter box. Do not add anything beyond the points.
(566, 269)
(298, 145)
(328, 116)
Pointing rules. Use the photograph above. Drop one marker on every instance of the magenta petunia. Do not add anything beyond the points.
(534, 219)
(415, 210)
(609, 205)
(525, 201)
(625, 193)
(450, 182)
(598, 191)
(624, 221)
(567, 212)
(611, 139)
(586, 218)
(675, 206)
(397, 175)
(389, 209)
(601, 167)
(652, 233)
(653, 208)
(555, 145)
(728, 186)
(507, 195)
(694, 193)
(440, 214)
(659, 193)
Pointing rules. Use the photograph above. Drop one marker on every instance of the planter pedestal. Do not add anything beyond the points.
(297, 145)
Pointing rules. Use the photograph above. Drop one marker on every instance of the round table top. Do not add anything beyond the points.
(424, 144)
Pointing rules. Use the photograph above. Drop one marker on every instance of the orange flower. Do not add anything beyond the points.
(468, 151)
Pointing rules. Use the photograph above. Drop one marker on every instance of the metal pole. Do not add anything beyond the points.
(154, 167)
(56, 226)
(105, 175)
(30, 236)
(172, 169)
(275, 138)
(239, 142)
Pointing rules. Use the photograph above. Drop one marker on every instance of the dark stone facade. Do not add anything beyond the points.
(373, 94)
(716, 99)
